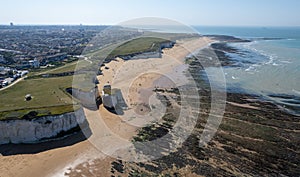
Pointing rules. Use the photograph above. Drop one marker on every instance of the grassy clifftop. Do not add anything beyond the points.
(48, 98)
(139, 45)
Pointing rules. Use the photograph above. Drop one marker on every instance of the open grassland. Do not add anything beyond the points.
(49, 97)
(139, 45)
(66, 68)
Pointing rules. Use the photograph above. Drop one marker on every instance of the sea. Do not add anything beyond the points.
(269, 66)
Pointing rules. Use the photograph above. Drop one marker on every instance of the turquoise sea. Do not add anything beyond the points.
(269, 66)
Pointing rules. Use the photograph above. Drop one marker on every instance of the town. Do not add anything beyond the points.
(9, 75)
(32, 48)
(28, 48)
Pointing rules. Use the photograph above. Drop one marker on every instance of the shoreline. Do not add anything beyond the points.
(255, 138)
(287, 101)
(243, 136)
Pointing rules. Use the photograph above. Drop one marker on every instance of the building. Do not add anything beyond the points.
(34, 63)
(29, 64)
(6, 71)
(2, 60)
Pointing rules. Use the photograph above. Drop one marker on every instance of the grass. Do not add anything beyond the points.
(68, 67)
(38, 112)
(49, 96)
(139, 45)
(70, 61)
(83, 81)
(74, 66)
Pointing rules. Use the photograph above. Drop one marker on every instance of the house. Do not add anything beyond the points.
(29, 64)
(2, 60)
(34, 63)
(23, 65)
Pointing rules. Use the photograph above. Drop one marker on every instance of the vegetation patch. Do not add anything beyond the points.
(137, 46)
(48, 98)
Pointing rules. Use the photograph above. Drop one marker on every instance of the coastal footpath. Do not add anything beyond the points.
(38, 129)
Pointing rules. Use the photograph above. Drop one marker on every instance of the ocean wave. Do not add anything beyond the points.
(251, 68)
(296, 91)
(272, 60)
(270, 57)
(285, 61)
(247, 45)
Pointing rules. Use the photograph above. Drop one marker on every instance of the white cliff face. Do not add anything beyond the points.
(30, 131)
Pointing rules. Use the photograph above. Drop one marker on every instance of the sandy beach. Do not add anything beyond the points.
(136, 79)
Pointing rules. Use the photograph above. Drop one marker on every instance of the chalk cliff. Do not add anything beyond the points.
(30, 131)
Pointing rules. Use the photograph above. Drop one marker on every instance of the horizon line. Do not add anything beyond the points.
(197, 25)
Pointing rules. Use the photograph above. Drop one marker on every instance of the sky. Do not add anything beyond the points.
(190, 12)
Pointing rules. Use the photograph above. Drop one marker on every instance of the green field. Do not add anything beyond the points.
(49, 95)
(77, 65)
(139, 45)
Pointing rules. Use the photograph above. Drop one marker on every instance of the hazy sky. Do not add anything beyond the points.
(190, 12)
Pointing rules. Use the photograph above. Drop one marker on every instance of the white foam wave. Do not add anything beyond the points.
(285, 61)
(296, 91)
(250, 68)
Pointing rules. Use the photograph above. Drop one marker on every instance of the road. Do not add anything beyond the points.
(15, 82)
